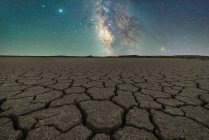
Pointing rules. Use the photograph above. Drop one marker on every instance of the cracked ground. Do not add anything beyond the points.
(104, 98)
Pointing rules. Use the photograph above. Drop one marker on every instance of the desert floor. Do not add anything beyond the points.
(103, 98)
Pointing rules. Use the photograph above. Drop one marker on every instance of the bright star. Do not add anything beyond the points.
(43, 6)
(60, 10)
(163, 49)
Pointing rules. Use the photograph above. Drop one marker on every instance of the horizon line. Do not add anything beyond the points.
(113, 56)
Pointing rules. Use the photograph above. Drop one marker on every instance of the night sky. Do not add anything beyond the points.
(104, 27)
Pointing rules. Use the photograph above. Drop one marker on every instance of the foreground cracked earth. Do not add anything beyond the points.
(104, 98)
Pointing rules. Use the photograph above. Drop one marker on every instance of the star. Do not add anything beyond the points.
(43, 6)
(162, 49)
(60, 10)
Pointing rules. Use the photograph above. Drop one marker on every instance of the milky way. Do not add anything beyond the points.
(115, 26)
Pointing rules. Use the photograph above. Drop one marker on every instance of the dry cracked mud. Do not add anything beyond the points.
(103, 98)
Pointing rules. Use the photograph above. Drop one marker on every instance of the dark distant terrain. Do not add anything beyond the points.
(102, 98)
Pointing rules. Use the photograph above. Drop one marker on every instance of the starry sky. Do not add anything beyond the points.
(104, 27)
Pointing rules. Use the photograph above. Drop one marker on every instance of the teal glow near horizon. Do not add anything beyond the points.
(104, 27)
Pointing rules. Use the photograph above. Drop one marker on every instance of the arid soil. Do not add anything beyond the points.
(104, 98)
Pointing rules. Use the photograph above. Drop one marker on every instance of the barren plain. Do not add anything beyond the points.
(103, 98)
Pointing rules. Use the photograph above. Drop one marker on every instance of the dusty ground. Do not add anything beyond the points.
(104, 98)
